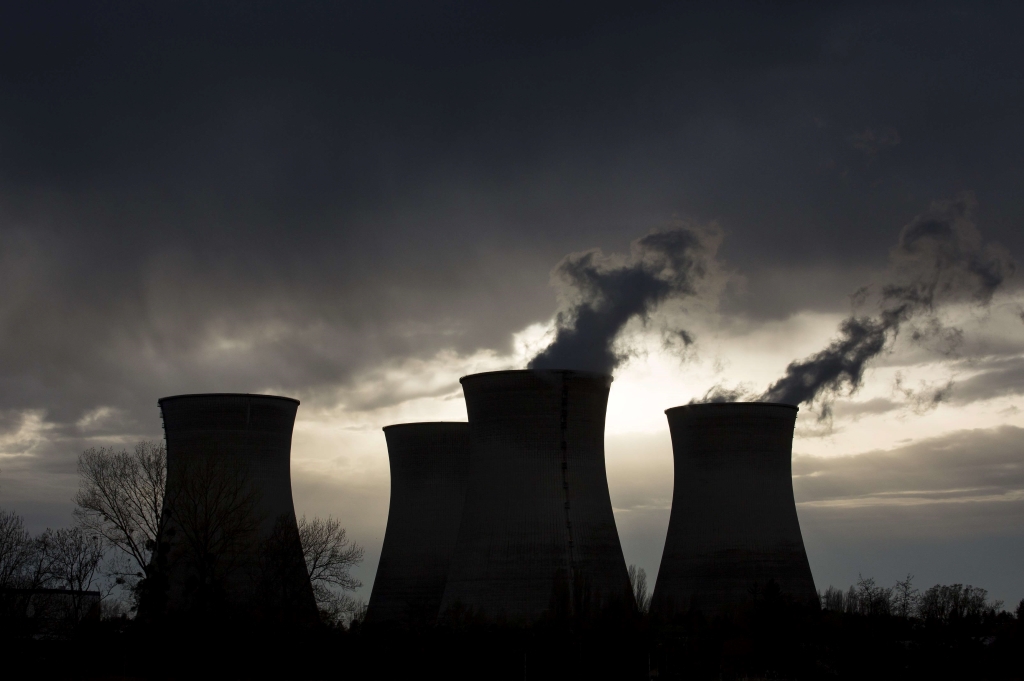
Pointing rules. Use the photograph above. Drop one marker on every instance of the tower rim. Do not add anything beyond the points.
(412, 424)
(538, 372)
(722, 405)
(257, 395)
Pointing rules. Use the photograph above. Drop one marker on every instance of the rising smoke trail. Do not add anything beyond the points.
(719, 394)
(940, 258)
(610, 291)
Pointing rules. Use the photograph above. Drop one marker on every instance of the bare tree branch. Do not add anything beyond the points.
(16, 549)
(75, 558)
(905, 597)
(330, 555)
(120, 497)
(638, 580)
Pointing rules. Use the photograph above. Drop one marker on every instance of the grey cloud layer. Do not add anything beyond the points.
(996, 377)
(971, 464)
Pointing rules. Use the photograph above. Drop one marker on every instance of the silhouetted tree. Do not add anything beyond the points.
(330, 556)
(16, 550)
(946, 603)
(850, 601)
(832, 599)
(39, 570)
(67, 559)
(872, 599)
(638, 582)
(905, 597)
(74, 559)
(120, 498)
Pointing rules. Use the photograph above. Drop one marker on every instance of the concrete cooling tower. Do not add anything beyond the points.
(429, 463)
(733, 523)
(537, 537)
(229, 543)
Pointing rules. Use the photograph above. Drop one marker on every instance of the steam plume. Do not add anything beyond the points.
(609, 291)
(720, 394)
(940, 258)
(926, 398)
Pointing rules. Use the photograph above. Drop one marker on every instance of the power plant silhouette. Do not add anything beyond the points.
(506, 518)
(537, 536)
(733, 526)
(229, 541)
(429, 465)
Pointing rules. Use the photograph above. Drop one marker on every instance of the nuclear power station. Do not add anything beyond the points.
(537, 536)
(429, 466)
(733, 525)
(229, 541)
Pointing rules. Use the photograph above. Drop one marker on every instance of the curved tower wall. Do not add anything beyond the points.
(733, 522)
(537, 537)
(228, 457)
(429, 465)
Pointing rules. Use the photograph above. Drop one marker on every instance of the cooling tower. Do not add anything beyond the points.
(733, 523)
(537, 536)
(429, 463)
(229, 543)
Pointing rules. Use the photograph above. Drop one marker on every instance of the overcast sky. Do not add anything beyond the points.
(353, 204)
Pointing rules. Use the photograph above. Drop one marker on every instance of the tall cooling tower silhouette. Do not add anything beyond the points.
(229, 541)
(733, 523)
(429, 463)
(537, 536)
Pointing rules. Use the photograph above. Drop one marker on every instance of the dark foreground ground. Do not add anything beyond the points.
(787, 643)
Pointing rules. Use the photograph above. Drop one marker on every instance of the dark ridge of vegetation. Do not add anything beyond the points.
(69, 599)
(952, 634)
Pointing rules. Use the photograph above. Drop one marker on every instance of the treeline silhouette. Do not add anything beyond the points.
(70, 608)
(866, 631)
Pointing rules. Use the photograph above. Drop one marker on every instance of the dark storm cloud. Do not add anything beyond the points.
(11, 422)
(200, 196)
(871, 142)
(608, 292)
(940, 258)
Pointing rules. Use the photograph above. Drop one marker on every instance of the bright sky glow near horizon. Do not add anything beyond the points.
(347, 447)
